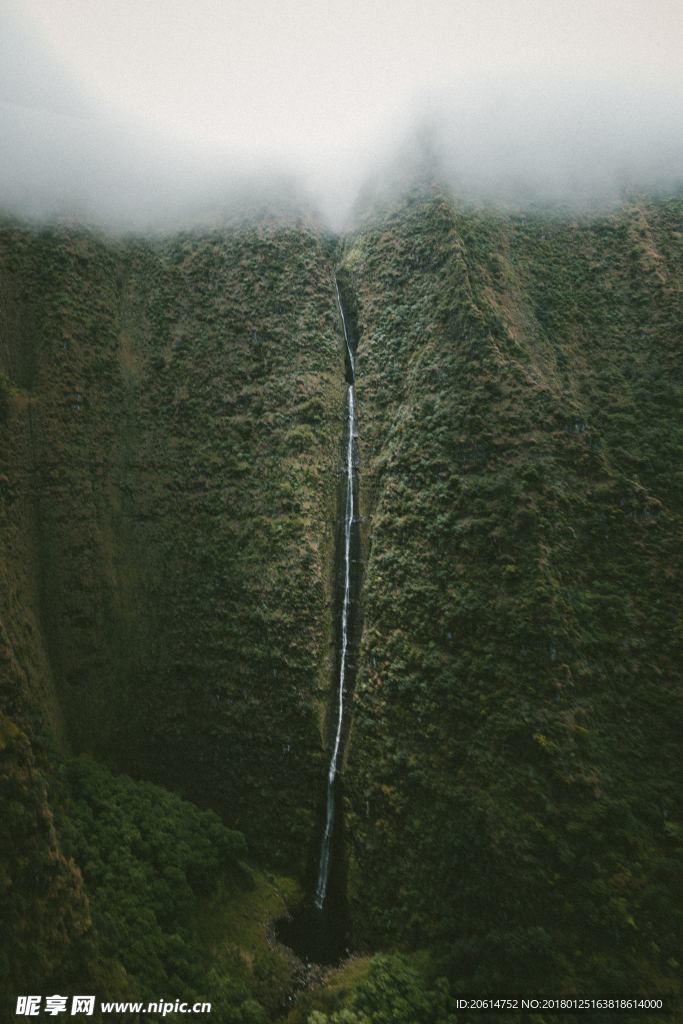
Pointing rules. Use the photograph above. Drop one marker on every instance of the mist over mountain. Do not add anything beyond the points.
(148, 119)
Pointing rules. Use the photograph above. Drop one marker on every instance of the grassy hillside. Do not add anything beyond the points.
(511, 778)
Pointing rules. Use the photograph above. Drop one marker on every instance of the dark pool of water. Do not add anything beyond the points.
(316, 936)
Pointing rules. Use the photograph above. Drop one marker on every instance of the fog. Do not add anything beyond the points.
(163, 113)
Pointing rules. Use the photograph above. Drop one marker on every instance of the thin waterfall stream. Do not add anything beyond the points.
(318, 931)
(350, 519)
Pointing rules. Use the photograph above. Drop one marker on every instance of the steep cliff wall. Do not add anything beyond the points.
(170, 429)
(511, 767)
(172, 422)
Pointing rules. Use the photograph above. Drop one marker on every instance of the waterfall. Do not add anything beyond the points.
(349, 519)
(347, 339)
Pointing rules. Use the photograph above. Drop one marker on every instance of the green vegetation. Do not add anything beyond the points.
(510, 773)
(384, 989)
(162, 901)
(173, 484)
(174, 908)
(393, 992)
(45, 913)
(145, 856)
(168, 446)
(170, 429)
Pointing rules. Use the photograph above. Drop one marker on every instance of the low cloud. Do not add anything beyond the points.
(215, 110)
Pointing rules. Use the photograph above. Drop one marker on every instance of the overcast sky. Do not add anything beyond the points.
(132, 107)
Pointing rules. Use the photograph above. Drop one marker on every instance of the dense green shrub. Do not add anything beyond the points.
(394, 992)
(147, 858)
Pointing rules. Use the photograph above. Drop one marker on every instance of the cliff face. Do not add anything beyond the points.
(171, 422)
(170, 433)
(510, 772)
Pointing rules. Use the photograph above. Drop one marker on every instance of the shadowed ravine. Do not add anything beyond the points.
(319, 930)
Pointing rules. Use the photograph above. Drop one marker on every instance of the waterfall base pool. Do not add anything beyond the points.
(322, 936)
(316, 936)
